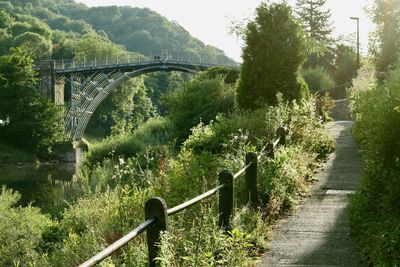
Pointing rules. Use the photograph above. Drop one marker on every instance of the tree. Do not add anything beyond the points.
(198, 100)
(29, 121)
(386, 44)
(345, 64)
(315, 21)
(273, 54)
(39, 47)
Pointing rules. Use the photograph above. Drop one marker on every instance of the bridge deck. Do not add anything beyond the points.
(318, 233)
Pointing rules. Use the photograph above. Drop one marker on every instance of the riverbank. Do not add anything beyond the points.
(10, 154)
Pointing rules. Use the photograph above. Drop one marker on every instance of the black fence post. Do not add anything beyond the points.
(251, 179)
(155, 208)
(281, 133)
(225, 198)
(270, 149)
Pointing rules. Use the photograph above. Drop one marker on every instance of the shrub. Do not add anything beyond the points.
(375, 217)
(200, 242)
(317, 79)
(285, 179)
(154, 132)
(98, 220)
(20, 230)
(199, 100)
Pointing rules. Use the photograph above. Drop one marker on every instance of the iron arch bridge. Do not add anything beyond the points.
(91, 84)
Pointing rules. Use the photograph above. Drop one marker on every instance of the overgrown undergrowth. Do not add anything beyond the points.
(121, 175)
(375, 213)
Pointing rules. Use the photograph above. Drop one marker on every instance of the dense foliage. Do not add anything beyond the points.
(375, 215)
(199, 100)
(315, 19)
(273, 54)
(121, 173)
(175, 157)
(68, 30)
(27, 120)
(145, 31)
(385, 45)
(317, 79)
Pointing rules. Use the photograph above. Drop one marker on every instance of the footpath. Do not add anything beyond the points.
(317, 233)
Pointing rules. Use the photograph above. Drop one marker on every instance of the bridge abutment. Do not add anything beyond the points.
(48, 79)
(50, 87)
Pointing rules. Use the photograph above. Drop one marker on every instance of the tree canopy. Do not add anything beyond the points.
(272, 56)
(27, 120)
(315, 17)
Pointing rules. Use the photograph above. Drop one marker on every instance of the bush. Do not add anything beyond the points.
(20, 230)
(317, 79)
(154, 132)
(375, 217)
(199, 100)
(98, 220)
(200, 242)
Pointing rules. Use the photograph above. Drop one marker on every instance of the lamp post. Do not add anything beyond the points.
(358, 40)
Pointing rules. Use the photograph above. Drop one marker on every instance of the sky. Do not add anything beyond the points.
(211, 20)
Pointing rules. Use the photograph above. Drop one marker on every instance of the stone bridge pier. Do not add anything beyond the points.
(49, 86)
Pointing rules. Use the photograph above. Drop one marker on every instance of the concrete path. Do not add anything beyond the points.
(317, 233)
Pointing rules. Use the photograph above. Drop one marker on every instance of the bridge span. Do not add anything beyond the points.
(90, 83)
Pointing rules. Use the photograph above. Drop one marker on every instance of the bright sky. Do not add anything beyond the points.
(210, 20)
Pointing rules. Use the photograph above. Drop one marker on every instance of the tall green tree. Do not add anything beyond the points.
(315, 20)
(386, 45)
(27, 120)
(273, 54)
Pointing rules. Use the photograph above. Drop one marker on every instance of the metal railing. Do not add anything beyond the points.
(63, 64)
(156, 211)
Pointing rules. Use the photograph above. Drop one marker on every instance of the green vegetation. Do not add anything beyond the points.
(375, 216)
(317, 79)
(175, 157)
(265, 73)
(10, 154)
(21, 230)
(67, 30)
(122, 172)
(199, 100)
(385, 42)
(327, 59)
(28, 121)
(314, 17)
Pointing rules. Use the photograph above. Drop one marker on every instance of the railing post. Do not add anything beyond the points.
(251, 179)
(155, 208)
(281, 133)
(225, 199)
(270, 150)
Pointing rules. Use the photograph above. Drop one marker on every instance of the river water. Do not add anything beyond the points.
(46, 186)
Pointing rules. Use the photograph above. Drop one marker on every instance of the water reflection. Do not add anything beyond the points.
(45, 186)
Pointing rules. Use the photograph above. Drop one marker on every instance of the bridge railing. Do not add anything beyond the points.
(112, 61)
(156, 211)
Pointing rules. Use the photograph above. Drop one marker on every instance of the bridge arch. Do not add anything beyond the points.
(88, 93)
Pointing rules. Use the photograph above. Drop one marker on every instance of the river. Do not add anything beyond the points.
(45, 186)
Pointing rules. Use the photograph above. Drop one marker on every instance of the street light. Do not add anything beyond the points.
(358, 40)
